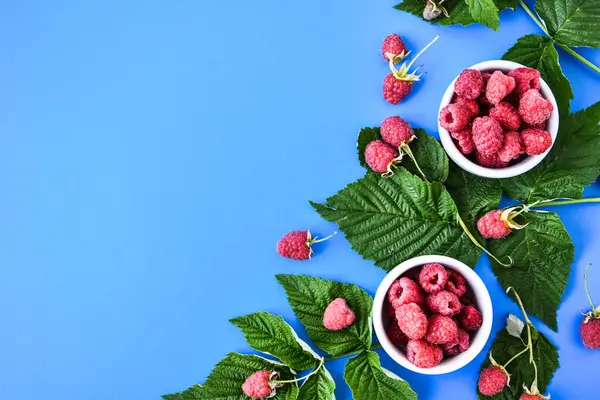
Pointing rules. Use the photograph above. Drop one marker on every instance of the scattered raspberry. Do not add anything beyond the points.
(533, 108)
(465, 140)
(441, 329)
(489, 161)
(525, 78)
(512, 148)
(258, 385)
(590, 332)
(396, 335)
(338, 315)
(469, 84)
(454, 117)
(404, 291)
(491, 225)
(536, 141)
(412, 321)
(460, 344)
(395, 131)
(483, 99)
(444, 303)
(380, 156)
(498, 87)
(471, 105)
(492, 380)
(470, 318)
(295, 245)
(433, 277)
(423, 354)
(487, 135)
(394, 90)
(457, 284)
(394, 45)
(507, 115)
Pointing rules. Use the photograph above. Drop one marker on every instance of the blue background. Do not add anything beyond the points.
(154, 152)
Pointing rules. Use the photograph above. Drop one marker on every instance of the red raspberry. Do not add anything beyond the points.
(471, 105)
(338, 315)
(297, 245)
(492, 380)
(470, 318)
(457, 284)
(465, 140)
(525, 78)
(404, 291)
(590, 332)
(441, 329)
(394, 45)
(507, 115)
(398, 338)
(411, 320)
(454, 117)
(498, 87)
(536, 141)
(444, 303)
(433, 277)
(395, 131)
(491, 225)
(258, 385)
(394, 90)
(487, 135)
(460, 344)
(380, 156)
(483, 99)
(489, 161)
(469, 84)
(423, 354)
(534, 109)
(512, 148)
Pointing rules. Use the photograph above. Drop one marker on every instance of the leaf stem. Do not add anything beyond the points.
(480, 246)
(317, 240)
(566, 202)
(520, 303)
(314, 371)
(516, 356)
(351, 353)
(587, 292)
(533, 17)
(408, 151)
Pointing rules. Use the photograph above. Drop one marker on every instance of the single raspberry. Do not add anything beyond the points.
(457, 284)
(469, 84)
(423, 354)
(380, 156)
(491, 225)
(433, 10)
(533, 108)
(454, 117)
(297, 245)
(404, 291)
(444, 303)
(471, 105)
(498, 87)
(525, 78)
(395, 334)
(396, 132)
(338, 315)
(507, 115)
(433, 277)
(536, 141)
(590, 325)
(489, 160)
(492, 380)
(395, 90)
(441, 329)
(412, 321)
(512, 148)
(487, 135)
(464, 140)
(460, 344)
(259, 385)
(483, 99)
(393, 47)
(470, 318)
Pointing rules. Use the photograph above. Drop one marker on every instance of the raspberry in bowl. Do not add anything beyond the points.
(498, 119)
(432, 314)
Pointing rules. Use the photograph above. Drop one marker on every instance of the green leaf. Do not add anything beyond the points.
(572, 22)
(538, 52)
(319, 386)
(572, 164)
(226, 380)
(365, 136)
(369, 381)
(542, 254)
(272, 335)
(485, 12)
(309, 297)
(458, 9)
(391, 220)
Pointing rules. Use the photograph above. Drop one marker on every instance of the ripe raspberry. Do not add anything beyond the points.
(536, 141)
(444, 303)
(454, 117)
(525, 78)
(487, 135)
(483, 99)
(470, 318)
(393, 46)
(533, 108)
(398, 338)
(394, 90)
(489, 161)
(507, 115)
(396, 132)
(412, 321)
(433, 277)
(460, 344)
(469, 84)
(464, 140)
(512, 148)
(457, 284)
(380, 156)
(297, 245)
(441, 329)
(338, 315)
(471, 105)
(492, 380)
(404, 291)
(423, 354)
(491, 225)
(590, 325)
(259, 385)
(498, 87)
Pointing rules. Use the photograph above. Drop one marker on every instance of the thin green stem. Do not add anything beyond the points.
(408, 151)
(515, 357)
(422, 51)
(520, 303)
(316, 240)
(314, 371)
(566, 202)
(587, 292)
(533, 17)
(351, 353)
(480, 246)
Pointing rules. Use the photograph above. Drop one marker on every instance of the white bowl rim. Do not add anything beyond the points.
(482, 299)
(513, 170)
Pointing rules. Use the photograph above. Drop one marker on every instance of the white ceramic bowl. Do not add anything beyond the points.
(523, 166)
(481, 298)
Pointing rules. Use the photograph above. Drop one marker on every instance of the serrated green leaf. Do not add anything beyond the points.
(319, 386)
(485, 12)
(572, 164)
(369, 381)
(538, 52)
(365, 136)
(272, 335)
(193, 393)
(391, 220)
(458, 10)
(309, 297)
(572, 22)
(542, 254)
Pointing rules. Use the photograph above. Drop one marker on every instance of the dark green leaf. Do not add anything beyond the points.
(458, 9)
(318, 387)
(572, 22)
(365, 136)
(192, 393)
(485, 12)
(430, 155)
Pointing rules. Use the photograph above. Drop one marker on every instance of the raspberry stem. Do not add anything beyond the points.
(476, 243)
(314, 371)
(317, 240)
(408, 151)
(595, 313)
(565, 202)
(519, 354)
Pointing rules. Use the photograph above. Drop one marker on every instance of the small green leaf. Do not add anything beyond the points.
(572, 22)
(272, 335)
(542, 254)
(319, 386)
(485, 12)
(365, 136)
(309, 297)
(369, 381)
(458, 10)
(430, 155)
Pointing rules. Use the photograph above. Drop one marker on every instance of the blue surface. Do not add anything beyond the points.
(155, 151)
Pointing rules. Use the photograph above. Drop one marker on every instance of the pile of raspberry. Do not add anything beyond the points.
(431, 314)
(498, 119)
